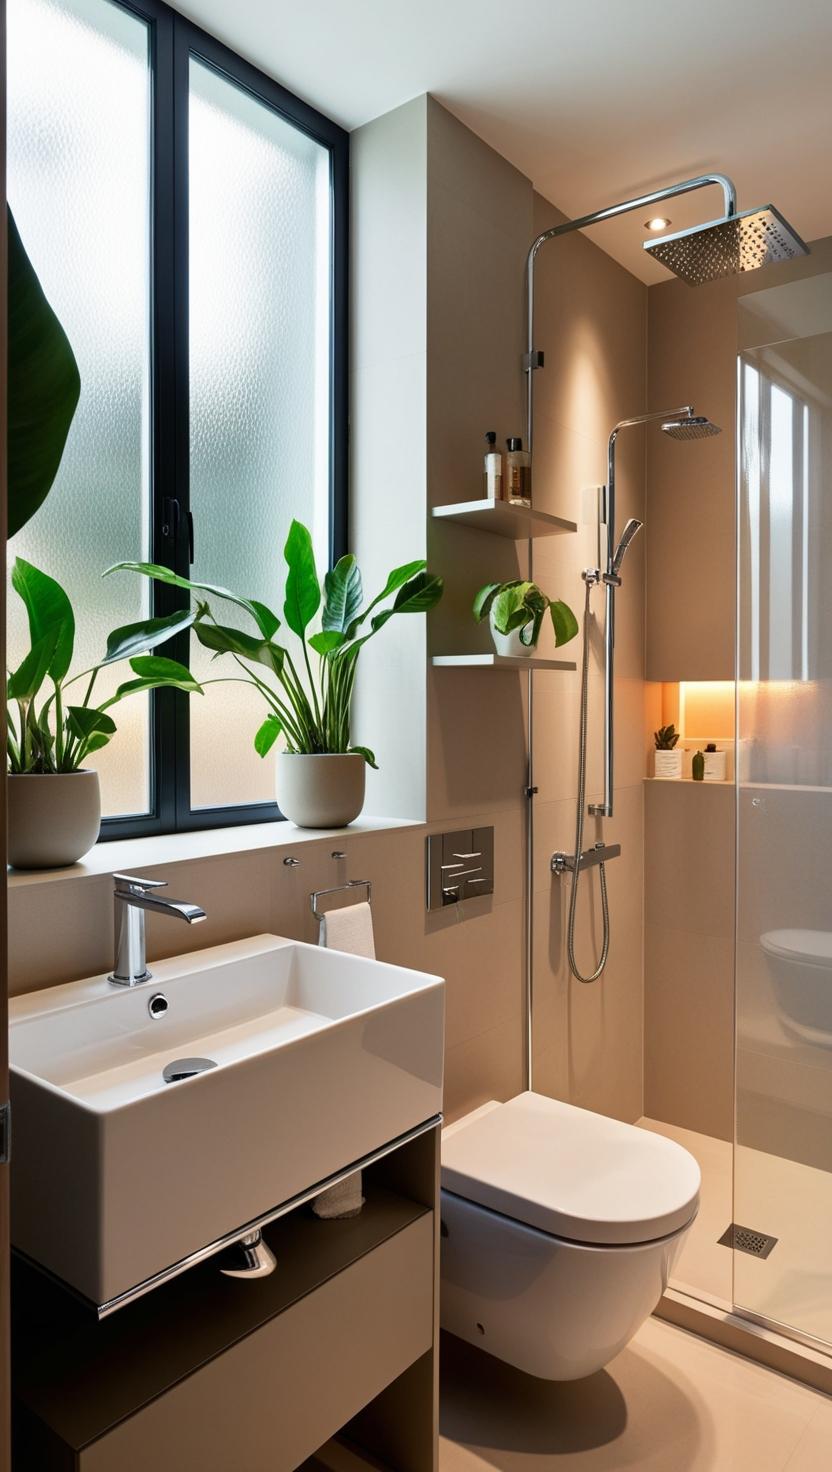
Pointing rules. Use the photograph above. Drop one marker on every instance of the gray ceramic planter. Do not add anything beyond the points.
(53, 820)
(322, 791)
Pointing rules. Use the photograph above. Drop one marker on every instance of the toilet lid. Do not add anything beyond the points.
(571, 1173)
(811, 947)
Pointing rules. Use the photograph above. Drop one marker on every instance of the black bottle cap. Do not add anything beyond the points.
(491, 437)
(711, 746)
(515, 443)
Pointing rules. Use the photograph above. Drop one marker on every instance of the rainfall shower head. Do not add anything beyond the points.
(728, 246)
(690, 427)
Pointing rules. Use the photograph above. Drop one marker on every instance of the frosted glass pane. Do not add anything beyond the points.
(78, 172)
(259, 385)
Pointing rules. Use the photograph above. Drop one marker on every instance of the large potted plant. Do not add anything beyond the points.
(320, 771)
(516, 610)
(53, 797)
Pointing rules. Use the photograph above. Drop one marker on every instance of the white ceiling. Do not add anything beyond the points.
(595, 100)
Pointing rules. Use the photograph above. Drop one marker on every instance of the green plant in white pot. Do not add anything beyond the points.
(516, 611)
(308, 695)
(54, 801)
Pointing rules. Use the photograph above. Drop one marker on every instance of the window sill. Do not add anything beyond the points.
(126, 856)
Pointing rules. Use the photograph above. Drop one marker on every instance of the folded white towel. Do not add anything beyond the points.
(349, 929)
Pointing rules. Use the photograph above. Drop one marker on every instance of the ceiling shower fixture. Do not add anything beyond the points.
(727, 246)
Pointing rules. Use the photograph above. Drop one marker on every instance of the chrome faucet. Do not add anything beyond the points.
(132, 898)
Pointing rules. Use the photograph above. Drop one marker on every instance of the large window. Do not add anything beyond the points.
(187, 218)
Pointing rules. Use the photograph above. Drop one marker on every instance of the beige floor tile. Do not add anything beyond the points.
(813, 1452)
(669, 1403)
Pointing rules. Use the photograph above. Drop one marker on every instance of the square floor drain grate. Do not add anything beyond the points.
(746, 1239)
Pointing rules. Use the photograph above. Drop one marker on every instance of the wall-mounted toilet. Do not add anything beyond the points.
(800, 966)
(559, 1231)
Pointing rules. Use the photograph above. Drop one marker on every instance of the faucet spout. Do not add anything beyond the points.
(132, 898)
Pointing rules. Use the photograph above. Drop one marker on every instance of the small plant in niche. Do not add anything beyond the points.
(516, 611)
(308, 696)
(51, 736)
(668, 760)
(666, 737)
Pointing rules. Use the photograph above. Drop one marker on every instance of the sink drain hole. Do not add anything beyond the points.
(181, 1068)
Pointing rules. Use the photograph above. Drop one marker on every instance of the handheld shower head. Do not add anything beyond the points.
(631, 530)
(690, 427)
(728, 246)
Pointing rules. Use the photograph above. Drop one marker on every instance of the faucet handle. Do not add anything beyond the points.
(130, 882)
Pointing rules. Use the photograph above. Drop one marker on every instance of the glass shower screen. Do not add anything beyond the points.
(783, 1158)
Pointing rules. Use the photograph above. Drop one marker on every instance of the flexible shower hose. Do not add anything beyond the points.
(579, 827)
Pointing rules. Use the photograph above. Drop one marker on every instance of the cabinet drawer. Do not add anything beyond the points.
(271, 1400)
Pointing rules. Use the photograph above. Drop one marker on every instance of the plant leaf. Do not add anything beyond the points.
(85, 721)
(267, 622)
(564, 622)
(303, 593)
(343, 595)
(325, 642)
(485, 598)
(397, 577)
(267, 735)
(222, 639)
(30, 674)
(96, 742)
(134, 639)
(155, 673)
(43, 387)
(511, 608)
(48, 608)
(417, 596)
(367, 755)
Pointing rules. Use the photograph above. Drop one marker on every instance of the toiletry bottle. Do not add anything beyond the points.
(518, 488)
(697, 766)
(493, 467)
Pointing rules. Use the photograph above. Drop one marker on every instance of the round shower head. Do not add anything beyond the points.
(690, 427)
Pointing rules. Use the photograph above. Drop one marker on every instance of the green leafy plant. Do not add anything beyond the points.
(666, 737)
(58, 733)
(310, 707)
(522, 605)
(43, 387)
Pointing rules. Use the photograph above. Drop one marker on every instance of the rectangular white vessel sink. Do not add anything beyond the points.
(321, 1058)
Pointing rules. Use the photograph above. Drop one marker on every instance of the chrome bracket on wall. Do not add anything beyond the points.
(561, 863)
(459, 866)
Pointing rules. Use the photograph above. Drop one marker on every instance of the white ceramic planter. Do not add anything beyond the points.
(716, 766)
(510, 643)
(668, 765)
(54, 819)
(322, 791)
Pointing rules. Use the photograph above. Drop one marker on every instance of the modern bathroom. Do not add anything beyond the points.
(417, 437)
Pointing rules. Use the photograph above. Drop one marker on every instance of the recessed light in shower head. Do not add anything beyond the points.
(659, 222)
(728, 246)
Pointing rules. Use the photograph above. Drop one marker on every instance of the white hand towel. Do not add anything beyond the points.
(349, 929)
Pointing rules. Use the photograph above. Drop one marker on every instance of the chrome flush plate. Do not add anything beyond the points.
(459, 866)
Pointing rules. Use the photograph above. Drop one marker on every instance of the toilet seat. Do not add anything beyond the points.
(807, 947)
(571, 1173)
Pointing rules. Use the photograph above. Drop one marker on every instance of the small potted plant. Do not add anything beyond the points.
(53, 798)
(668, 759)
(516, 610)
(320, 772)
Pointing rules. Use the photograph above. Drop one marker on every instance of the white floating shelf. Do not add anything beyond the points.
(500, 662)
(505, 520)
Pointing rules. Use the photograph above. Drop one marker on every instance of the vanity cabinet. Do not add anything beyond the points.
(213, 1373)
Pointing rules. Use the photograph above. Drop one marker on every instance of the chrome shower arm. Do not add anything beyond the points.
(534, 359)
(682, 412)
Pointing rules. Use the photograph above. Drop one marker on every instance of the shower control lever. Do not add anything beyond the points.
(562, 863)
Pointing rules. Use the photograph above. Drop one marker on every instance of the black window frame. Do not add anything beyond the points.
(172, 41)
